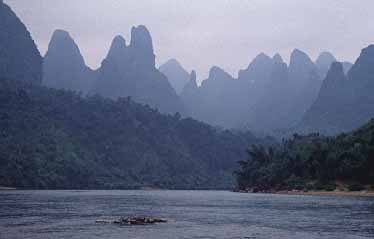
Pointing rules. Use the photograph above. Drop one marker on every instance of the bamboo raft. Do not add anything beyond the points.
(133, 221)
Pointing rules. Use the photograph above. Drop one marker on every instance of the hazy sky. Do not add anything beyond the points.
(202, 33)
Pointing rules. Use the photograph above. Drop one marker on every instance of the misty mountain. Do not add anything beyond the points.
(282, 94)
(19, 57)
(346, 66)
(216, 105)
(323, 63)
(303, 85)
(190, 94)
(54, 138)
(271, 111)
(64, 66)
(258, 74)
(176, 74)
(268, 95)
(345, 101)
(129, 70)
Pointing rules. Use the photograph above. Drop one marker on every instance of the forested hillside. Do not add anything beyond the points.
(312, 162)
(57, 139)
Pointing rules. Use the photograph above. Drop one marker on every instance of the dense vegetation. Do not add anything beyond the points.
(311, 162)
(58, 139)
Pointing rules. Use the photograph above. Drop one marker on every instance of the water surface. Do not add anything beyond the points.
(192, 214)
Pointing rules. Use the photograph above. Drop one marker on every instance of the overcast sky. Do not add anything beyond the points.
(202, 33)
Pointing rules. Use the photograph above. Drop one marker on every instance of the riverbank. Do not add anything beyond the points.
(6, 188)
(363, 193)
(329, 193)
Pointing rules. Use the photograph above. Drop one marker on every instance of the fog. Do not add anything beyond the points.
(204, 33)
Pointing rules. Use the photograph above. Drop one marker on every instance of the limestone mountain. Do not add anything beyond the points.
(129, 70)
(323, 63)
(258, 71)
(324, 114)
(64, 66)
(267, 95)
(190, 94)
(303, 85)
(345, 101)
(216, 102)
(277, 58)
(271, 111)
(257, 86)
(347, 66)
(19, 57)
(361, 84)
(58, 139)
(176, 74)
(279, 94)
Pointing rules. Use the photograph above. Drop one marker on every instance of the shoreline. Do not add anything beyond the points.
(6, 188)
(336, 193)
(329, 193)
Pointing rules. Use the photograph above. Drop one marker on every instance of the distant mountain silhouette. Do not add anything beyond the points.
(190, 95)
(64, 66)
(19, 58)
(216, 103)
(324, 115)
(130, 71)
(268, 95)
(344, 102)
(58, 139)
(272, 109)
(323, 63)
(256, 68)
(176, 74)
(278, 58)
(347, 66)
(258, 75)
(281, 94)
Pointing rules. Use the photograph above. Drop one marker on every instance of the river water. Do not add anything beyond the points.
(191, 214)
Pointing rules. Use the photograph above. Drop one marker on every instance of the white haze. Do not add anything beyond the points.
(226, 33)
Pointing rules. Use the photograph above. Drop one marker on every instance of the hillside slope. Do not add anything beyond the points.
(57, 139)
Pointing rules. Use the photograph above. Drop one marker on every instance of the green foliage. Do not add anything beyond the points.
(58, 139)
(355, 187)
(311, 162)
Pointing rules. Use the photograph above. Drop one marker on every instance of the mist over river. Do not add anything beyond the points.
(191, 214)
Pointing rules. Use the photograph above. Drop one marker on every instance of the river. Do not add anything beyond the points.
(191, 214)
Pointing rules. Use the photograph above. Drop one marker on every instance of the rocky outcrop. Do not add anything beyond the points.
(176, 74)
(141, 47)
(19, 57)
(64, 66)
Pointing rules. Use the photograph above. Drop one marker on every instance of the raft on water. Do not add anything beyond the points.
(133, 221)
